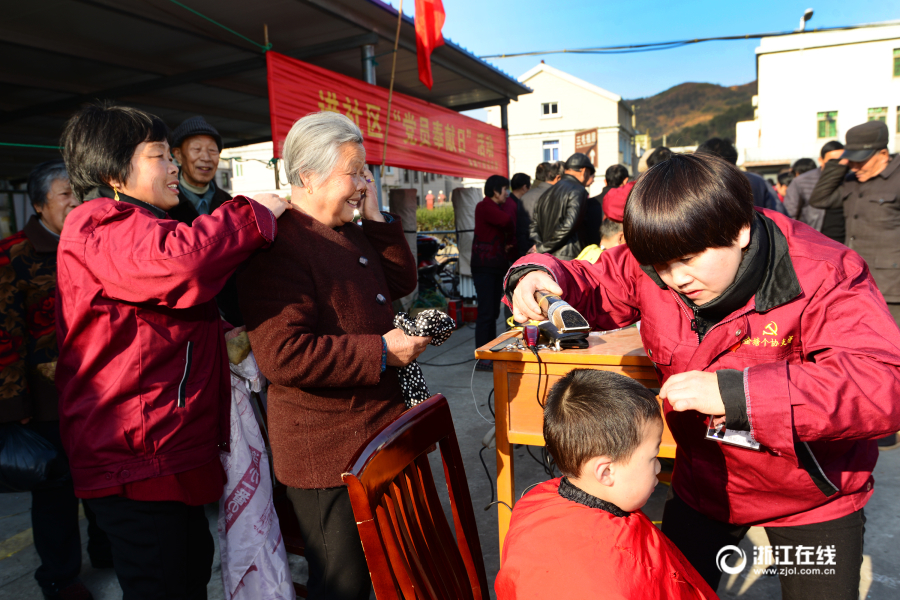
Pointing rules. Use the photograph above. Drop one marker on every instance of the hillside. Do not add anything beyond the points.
(692, 112)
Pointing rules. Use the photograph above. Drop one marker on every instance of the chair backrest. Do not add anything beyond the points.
(409, 546)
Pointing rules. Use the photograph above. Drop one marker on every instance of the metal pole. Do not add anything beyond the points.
(504, 123)
(368, 67)
(368, 63)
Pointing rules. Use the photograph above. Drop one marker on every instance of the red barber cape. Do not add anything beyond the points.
(558, 548)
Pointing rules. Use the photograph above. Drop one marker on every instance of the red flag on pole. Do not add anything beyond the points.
(429, 22)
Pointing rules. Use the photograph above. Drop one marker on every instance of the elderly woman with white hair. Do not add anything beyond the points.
(317, 305)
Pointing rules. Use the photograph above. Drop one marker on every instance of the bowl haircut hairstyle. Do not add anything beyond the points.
(495, 183)
(685, 205)
(99, 142)
(592, 413)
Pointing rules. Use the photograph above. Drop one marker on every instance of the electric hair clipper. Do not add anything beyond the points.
(559, 312)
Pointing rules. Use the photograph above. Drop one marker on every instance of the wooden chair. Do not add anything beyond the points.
(410, 549)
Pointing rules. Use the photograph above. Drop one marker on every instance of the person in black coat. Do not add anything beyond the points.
(557, 227)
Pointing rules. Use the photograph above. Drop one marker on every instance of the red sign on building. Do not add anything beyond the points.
(422, 136)
(586, 143)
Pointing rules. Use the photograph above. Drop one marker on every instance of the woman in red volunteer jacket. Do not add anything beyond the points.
(142, 372)
(495, 226)
(764, 327)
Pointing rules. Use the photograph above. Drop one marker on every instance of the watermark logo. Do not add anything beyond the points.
(724, 554)
(780, 560)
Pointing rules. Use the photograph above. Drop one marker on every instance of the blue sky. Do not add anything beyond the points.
(494, 27)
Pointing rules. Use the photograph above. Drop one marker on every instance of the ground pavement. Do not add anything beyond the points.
(880, 581)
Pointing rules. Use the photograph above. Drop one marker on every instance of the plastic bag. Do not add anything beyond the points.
(254, 559)
(28, 461)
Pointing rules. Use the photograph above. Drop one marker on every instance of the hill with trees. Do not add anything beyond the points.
(690, 113)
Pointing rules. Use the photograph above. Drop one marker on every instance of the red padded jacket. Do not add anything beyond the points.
(819, 355)
(142, 373)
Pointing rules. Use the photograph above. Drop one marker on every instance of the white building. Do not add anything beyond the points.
(251, 170)
(815, 86)
(543, 125)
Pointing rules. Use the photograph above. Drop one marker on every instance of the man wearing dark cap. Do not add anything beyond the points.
(558, 214)
(866, 183)
(196, 146)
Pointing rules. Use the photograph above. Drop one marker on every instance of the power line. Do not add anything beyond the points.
(655, 46)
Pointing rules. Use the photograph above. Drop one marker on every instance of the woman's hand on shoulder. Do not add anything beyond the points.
(369, 207)
(274, 202)
(402, 349)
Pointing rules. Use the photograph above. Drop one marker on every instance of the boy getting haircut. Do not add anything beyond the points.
(592, 413)
(565, 540)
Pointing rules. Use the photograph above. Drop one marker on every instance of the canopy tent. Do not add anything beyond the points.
(203, 57)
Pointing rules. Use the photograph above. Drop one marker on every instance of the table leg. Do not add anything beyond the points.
(506, 483)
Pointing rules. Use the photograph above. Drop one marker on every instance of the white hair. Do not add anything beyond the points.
(311, 147)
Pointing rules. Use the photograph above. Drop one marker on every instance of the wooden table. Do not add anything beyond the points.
(519, 417)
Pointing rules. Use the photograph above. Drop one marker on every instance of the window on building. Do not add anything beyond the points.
(415, 177)
(549, 109)
(237, 168)
(389, 170)
(878, 114)
(896, 62)
(828, 124)
(551, 150)
(406, 176)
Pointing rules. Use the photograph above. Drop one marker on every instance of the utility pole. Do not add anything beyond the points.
(504, 124)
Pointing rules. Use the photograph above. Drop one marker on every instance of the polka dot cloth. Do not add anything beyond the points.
(431, 322)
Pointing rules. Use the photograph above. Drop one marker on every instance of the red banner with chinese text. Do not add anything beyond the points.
(422, 136)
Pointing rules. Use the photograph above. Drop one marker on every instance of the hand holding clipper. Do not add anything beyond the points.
(560, 313)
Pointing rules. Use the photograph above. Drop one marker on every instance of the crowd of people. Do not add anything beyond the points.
(116, 298)
(770, 317)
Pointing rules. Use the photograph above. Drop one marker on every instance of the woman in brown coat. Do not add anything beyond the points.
(317, 305)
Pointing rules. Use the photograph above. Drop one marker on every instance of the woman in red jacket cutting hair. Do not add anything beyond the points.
(142, 373)
(778, 359)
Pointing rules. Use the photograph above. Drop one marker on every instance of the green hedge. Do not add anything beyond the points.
(439, 219)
